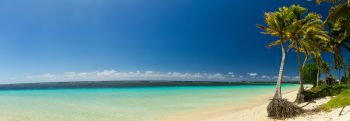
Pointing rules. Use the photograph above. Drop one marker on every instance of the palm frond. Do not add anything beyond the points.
(274, 43)
(346, 46)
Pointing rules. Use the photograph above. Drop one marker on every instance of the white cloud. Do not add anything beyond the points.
(133, 75)
(46, 76)
(295, 78)
(231, 74)
(252, 74)
(265, 77)
(275, 77)
(286, 77)
(106, 75)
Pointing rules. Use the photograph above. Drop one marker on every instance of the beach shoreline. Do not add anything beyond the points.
(233, 111)
(255, 110)
(134, 104)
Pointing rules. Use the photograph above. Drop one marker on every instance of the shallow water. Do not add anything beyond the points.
(120, 104)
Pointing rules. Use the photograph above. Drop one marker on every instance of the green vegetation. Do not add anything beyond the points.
(306, 33)
(323, 91)
(341, 93)
(309, 73)
(341, 100)
(303, 33)
(277, 27)
(279, 24)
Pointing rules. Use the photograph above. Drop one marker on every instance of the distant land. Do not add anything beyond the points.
(111, 84)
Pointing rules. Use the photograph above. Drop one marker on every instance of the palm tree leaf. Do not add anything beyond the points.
(337, 11)
(346, 46)
(332, 1)
(274, 43)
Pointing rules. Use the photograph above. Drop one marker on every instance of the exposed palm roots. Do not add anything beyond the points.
(280, 108)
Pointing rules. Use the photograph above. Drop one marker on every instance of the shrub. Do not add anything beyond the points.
(344, 80)
(341, 100)
(330, 80)
(323, 91)
(309, 73)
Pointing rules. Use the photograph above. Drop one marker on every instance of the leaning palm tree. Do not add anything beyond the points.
(338, 21)
(277, 23)
(339, 25)
(294, 30)
(276, 27)
(315, 41)
(334, 1)
(339, 14)
(301, 26)
(323, 68)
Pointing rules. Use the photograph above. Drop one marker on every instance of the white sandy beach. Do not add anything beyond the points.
(256, 111)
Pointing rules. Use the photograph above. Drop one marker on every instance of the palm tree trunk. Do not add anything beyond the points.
(300, 95)
(305, 60)
(318, 77)
(339, 74)
(348, 72)
(338, 59)
(344, 71)
(278, 93)
(342, 64)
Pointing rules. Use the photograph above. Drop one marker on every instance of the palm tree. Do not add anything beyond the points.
(339, 17)
(314, 51)
(338, 22)
(339, 25)
(348, 70)
(315, 41)
(276, 27)
(323, 68)
(299, 30)
(334, 1)
(277, 24)
(294, 30)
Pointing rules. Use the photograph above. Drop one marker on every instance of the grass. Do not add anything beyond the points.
(341, 100)
(341, 93)
(323, 91)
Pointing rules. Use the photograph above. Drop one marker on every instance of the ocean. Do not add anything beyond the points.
(151, 103)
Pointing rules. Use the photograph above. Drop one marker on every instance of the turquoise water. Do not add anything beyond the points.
(120, 104)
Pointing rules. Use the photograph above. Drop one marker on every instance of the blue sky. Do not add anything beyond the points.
(50, 40)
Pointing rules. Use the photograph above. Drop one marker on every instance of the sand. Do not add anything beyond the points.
(255, 110)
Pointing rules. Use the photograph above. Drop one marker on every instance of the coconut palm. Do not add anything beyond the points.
(334, 1)
(314, 51)
(315, 41)
(348, 69)
(339, 16)
(293, 30)
(304, 28)
(323, 68)
(276, 27)
(338, 23)
(277, 24)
